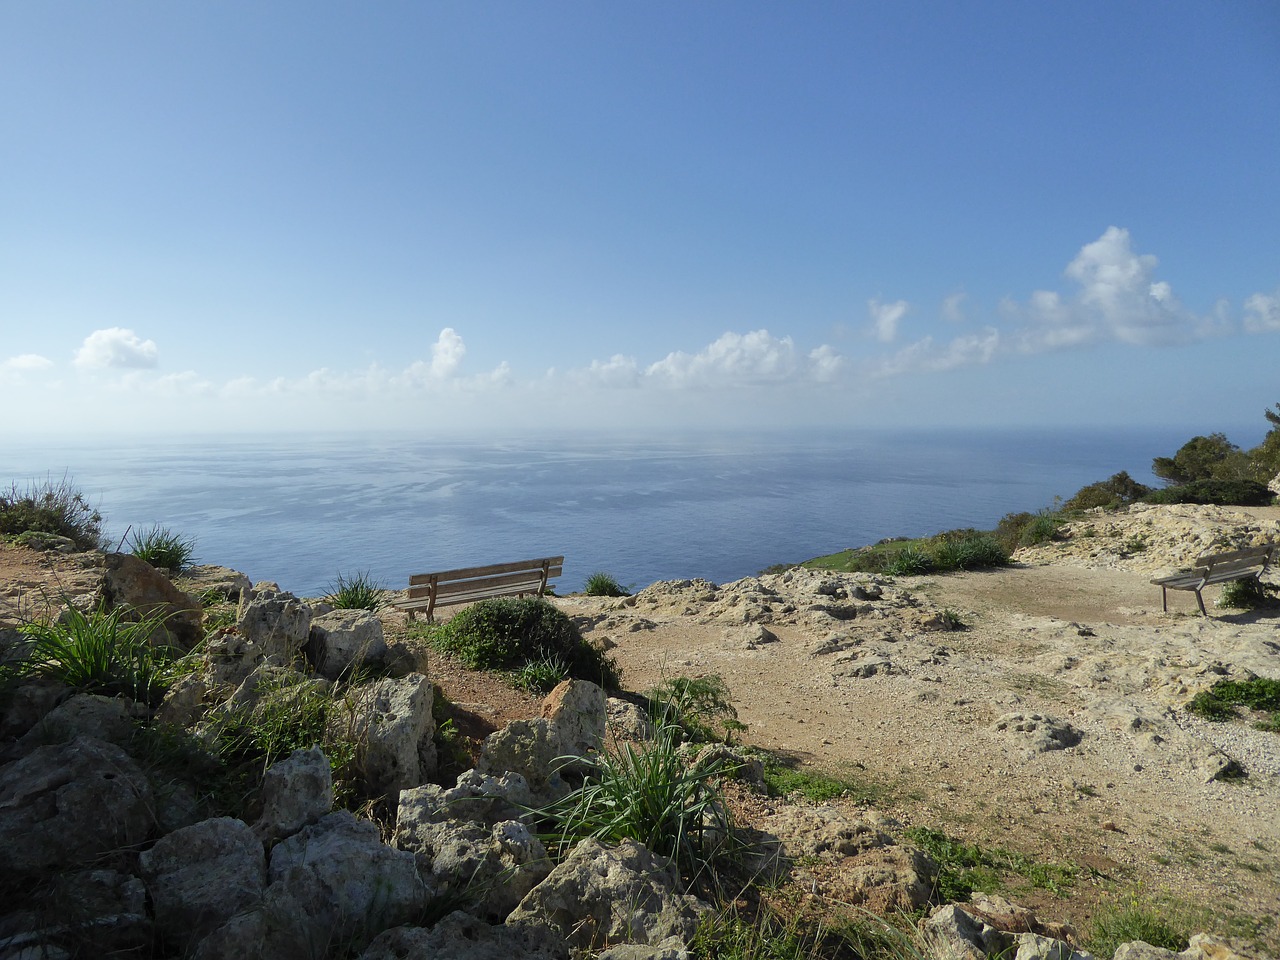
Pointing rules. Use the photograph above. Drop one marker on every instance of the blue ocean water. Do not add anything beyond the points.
(302, 509)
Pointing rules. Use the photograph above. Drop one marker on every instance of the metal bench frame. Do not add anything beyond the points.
(1250, 562)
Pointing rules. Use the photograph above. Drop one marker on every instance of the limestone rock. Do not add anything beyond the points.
(460, 936)
(102, 907)
(1032, 946)
(602, 895)
(392, 720)
(201, 876)
(478, 797)
(210, 580)
(627, 721)
(83, 802)
(529, 748)
(106, 718)
(1041, 733)
(277, 624)
(336, 882)
(134, 585)
(953, 933)
(506, 861)
(575, 709)
(296, 791)
(343, 639)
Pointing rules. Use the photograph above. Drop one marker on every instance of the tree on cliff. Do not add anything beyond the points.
(1203, 458)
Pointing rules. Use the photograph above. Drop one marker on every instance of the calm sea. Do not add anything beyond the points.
(301, 510)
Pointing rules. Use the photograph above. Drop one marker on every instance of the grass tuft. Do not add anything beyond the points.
(700, 706)
(601, 584)
(54, 507)
(162, 548)
(356, 592)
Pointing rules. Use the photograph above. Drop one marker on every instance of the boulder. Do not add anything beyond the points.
(391, 720)
(503, 862)
(953, 933)
(1032, 946)
(344, 639)
(576, 712)
(214, 582)
(104, 910)
(106, 718)
(460, 936)
(78, 803)
(133, 585)
(201, 876)
(478, 797)
(277, 624)
(608, 895)
(336, 882)
(296, 792)
(628, 721)
(529, 748)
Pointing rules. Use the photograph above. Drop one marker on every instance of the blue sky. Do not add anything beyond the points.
(240, 216)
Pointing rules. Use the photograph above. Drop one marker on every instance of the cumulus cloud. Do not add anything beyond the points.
(928, 356)
(116, 347)
(1262, 313)
(885, 318)
(447, 353)
(952, 309)
(617, 371)
(736, 357)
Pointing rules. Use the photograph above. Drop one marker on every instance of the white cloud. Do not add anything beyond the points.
(734, 357)
(1262, 313)
(825, 363)
(27, 363)
(116, 347)
(885, 318)
(617, 371)
(447, 353)
(926, 356)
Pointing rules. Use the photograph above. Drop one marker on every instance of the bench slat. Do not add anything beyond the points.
(473, 573)
(1256, 554)
(512, 583)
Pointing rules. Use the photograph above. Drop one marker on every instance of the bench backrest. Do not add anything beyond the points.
(1220, 565)
(497, 579)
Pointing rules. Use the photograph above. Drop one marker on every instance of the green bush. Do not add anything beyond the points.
(162, 548)
(953, 550)
(1219, 702)
(508, 633)
(601, 584)
(908, 561)
(1115, 924)
(1242, 493)
(1116, 491)
(1245, 594)
(357, 592)
(1203, 458)
(51, 507)
(99, 652)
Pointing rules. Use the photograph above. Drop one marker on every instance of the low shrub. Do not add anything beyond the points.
(1242, 493)
(508, 633)
(601, 584)
(1219, 702)
(162, 548)
(953, 550)
(357, 592)
(1118, 923)
(51, 507)
(1246, 594)
(540, 676)
(965, 867)
(99, 652)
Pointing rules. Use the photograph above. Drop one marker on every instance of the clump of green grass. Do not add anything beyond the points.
(541, 675)
(656, 795)
(55, 507)
(359, 591)
(1118, 923)
(100, 652)
(701, 707)
(162, 548)
(601, 584)
(508, 633)
(964, 868)
(1219, 703)
(784, 777)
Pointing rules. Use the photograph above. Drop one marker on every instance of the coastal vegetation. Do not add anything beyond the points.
(1221, 701)
(511, 633)
(53, 507)
(358, 591)
(163, 548)
(601, 584)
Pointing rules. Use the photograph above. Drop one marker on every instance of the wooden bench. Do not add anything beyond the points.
(466, 584)
(1217, 568)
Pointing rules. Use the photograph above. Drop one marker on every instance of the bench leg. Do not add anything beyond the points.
(1200, 600)
(1164, 599)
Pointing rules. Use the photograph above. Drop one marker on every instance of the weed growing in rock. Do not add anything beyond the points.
(540, 676)
(700, 706)
(784, 778)
(506, 634)
(356, 592)
(55, 507)
(162, 548)
(657, 795)
(99, 652)
(601, 584)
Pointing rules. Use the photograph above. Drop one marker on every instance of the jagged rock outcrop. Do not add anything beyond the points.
(391, 720)
(296, 792)
(139, 589)
(529, 748)
(343, 639)
(275, 623)
(460, 936)
(575, 709)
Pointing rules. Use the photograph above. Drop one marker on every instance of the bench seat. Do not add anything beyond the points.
(1244, 564)
(468, 584)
